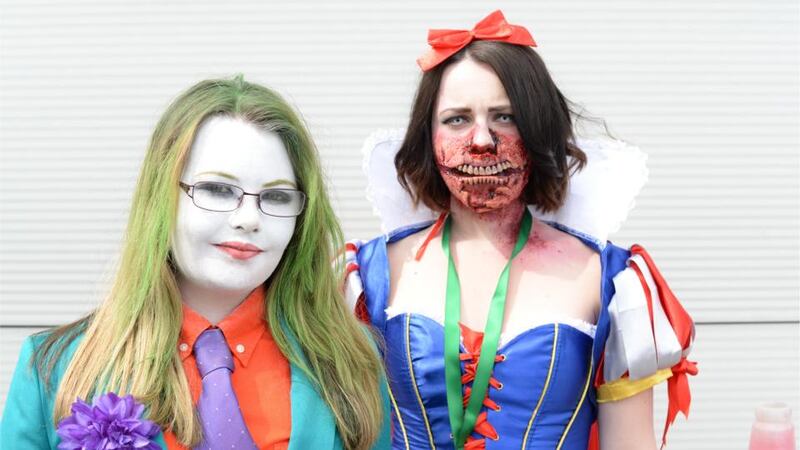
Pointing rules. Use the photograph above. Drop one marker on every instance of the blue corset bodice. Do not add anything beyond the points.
(546, 398)
(543, 401)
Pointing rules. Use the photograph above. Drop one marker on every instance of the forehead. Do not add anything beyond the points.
(470, 84)
(239, 148)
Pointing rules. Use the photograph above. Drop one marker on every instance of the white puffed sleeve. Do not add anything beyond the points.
(649, 339)
(650, 333)
(641, 340)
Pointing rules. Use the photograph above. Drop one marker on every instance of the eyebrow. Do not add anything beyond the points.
(279, 182)
(266, 185)
(455, 110)
(466, 110)
(221, 174)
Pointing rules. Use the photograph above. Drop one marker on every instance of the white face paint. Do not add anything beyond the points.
(236, 152)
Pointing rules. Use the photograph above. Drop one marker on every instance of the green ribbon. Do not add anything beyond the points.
(463, 422)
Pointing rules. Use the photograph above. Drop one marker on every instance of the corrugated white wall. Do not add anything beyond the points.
(708, 89)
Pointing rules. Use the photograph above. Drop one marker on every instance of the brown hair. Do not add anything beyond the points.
(542, 115)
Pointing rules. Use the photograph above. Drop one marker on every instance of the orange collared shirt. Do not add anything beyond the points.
(261, 376)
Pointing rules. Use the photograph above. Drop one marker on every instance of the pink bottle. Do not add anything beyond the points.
(773, 428)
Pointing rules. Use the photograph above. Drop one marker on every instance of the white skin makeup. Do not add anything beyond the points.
(222, 256)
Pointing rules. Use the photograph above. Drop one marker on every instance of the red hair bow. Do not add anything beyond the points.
(446, 43)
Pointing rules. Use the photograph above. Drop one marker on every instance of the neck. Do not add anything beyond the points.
(213, 304)
(499, 226)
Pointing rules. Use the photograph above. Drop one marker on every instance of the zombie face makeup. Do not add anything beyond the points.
(477, 146)
(234, 250)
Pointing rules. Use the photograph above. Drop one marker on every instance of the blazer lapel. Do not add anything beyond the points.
(160, 440)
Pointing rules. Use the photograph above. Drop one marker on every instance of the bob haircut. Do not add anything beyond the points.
(541, 112)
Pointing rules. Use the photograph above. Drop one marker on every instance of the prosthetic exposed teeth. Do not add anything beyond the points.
(485, 180)
(485, 170)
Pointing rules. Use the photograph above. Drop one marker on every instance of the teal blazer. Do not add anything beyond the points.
(27, 419)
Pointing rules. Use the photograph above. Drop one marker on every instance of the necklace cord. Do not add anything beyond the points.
(462, 421)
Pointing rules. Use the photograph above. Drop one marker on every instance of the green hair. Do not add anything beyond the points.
(130, 340)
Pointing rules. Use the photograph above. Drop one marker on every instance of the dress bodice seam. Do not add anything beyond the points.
(549, 325)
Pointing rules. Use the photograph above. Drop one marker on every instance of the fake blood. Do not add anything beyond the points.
(482, 193)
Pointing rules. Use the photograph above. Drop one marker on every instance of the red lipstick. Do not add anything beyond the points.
(239, 250)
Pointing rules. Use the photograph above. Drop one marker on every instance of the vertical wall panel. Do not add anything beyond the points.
(707, 89)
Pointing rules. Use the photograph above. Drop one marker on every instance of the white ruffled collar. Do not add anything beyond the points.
(598, 201)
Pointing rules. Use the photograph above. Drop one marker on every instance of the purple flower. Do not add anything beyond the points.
(109, 423)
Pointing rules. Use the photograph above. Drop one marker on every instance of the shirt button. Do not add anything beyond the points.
(240, 348)
(184, 347)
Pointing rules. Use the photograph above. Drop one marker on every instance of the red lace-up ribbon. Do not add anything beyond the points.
(472, 342)
(446, 43)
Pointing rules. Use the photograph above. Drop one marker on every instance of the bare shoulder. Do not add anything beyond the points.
(566, 268)
(555, 244)
(404, 250)
(411, 278)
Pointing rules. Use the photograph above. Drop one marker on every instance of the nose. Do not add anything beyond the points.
(247, 217)
(483, 140)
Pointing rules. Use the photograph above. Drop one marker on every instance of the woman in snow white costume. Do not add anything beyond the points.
(516, 266)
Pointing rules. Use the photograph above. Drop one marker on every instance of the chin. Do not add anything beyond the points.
(228, 286)
(484, 204)
(227, 278)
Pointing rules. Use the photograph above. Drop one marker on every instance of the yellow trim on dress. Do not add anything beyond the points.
(544, 389)
(624, 387)
(580, 404)
(414, 381)
(399, 417)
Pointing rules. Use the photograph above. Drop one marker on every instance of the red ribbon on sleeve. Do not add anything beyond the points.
(680, 397)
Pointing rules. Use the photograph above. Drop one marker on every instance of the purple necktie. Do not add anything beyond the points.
(223, 424)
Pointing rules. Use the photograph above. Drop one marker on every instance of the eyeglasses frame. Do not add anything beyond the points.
(189, 190)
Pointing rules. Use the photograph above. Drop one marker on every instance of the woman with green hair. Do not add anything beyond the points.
(225, 326)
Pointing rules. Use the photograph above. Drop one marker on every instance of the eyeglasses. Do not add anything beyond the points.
(222, 197)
